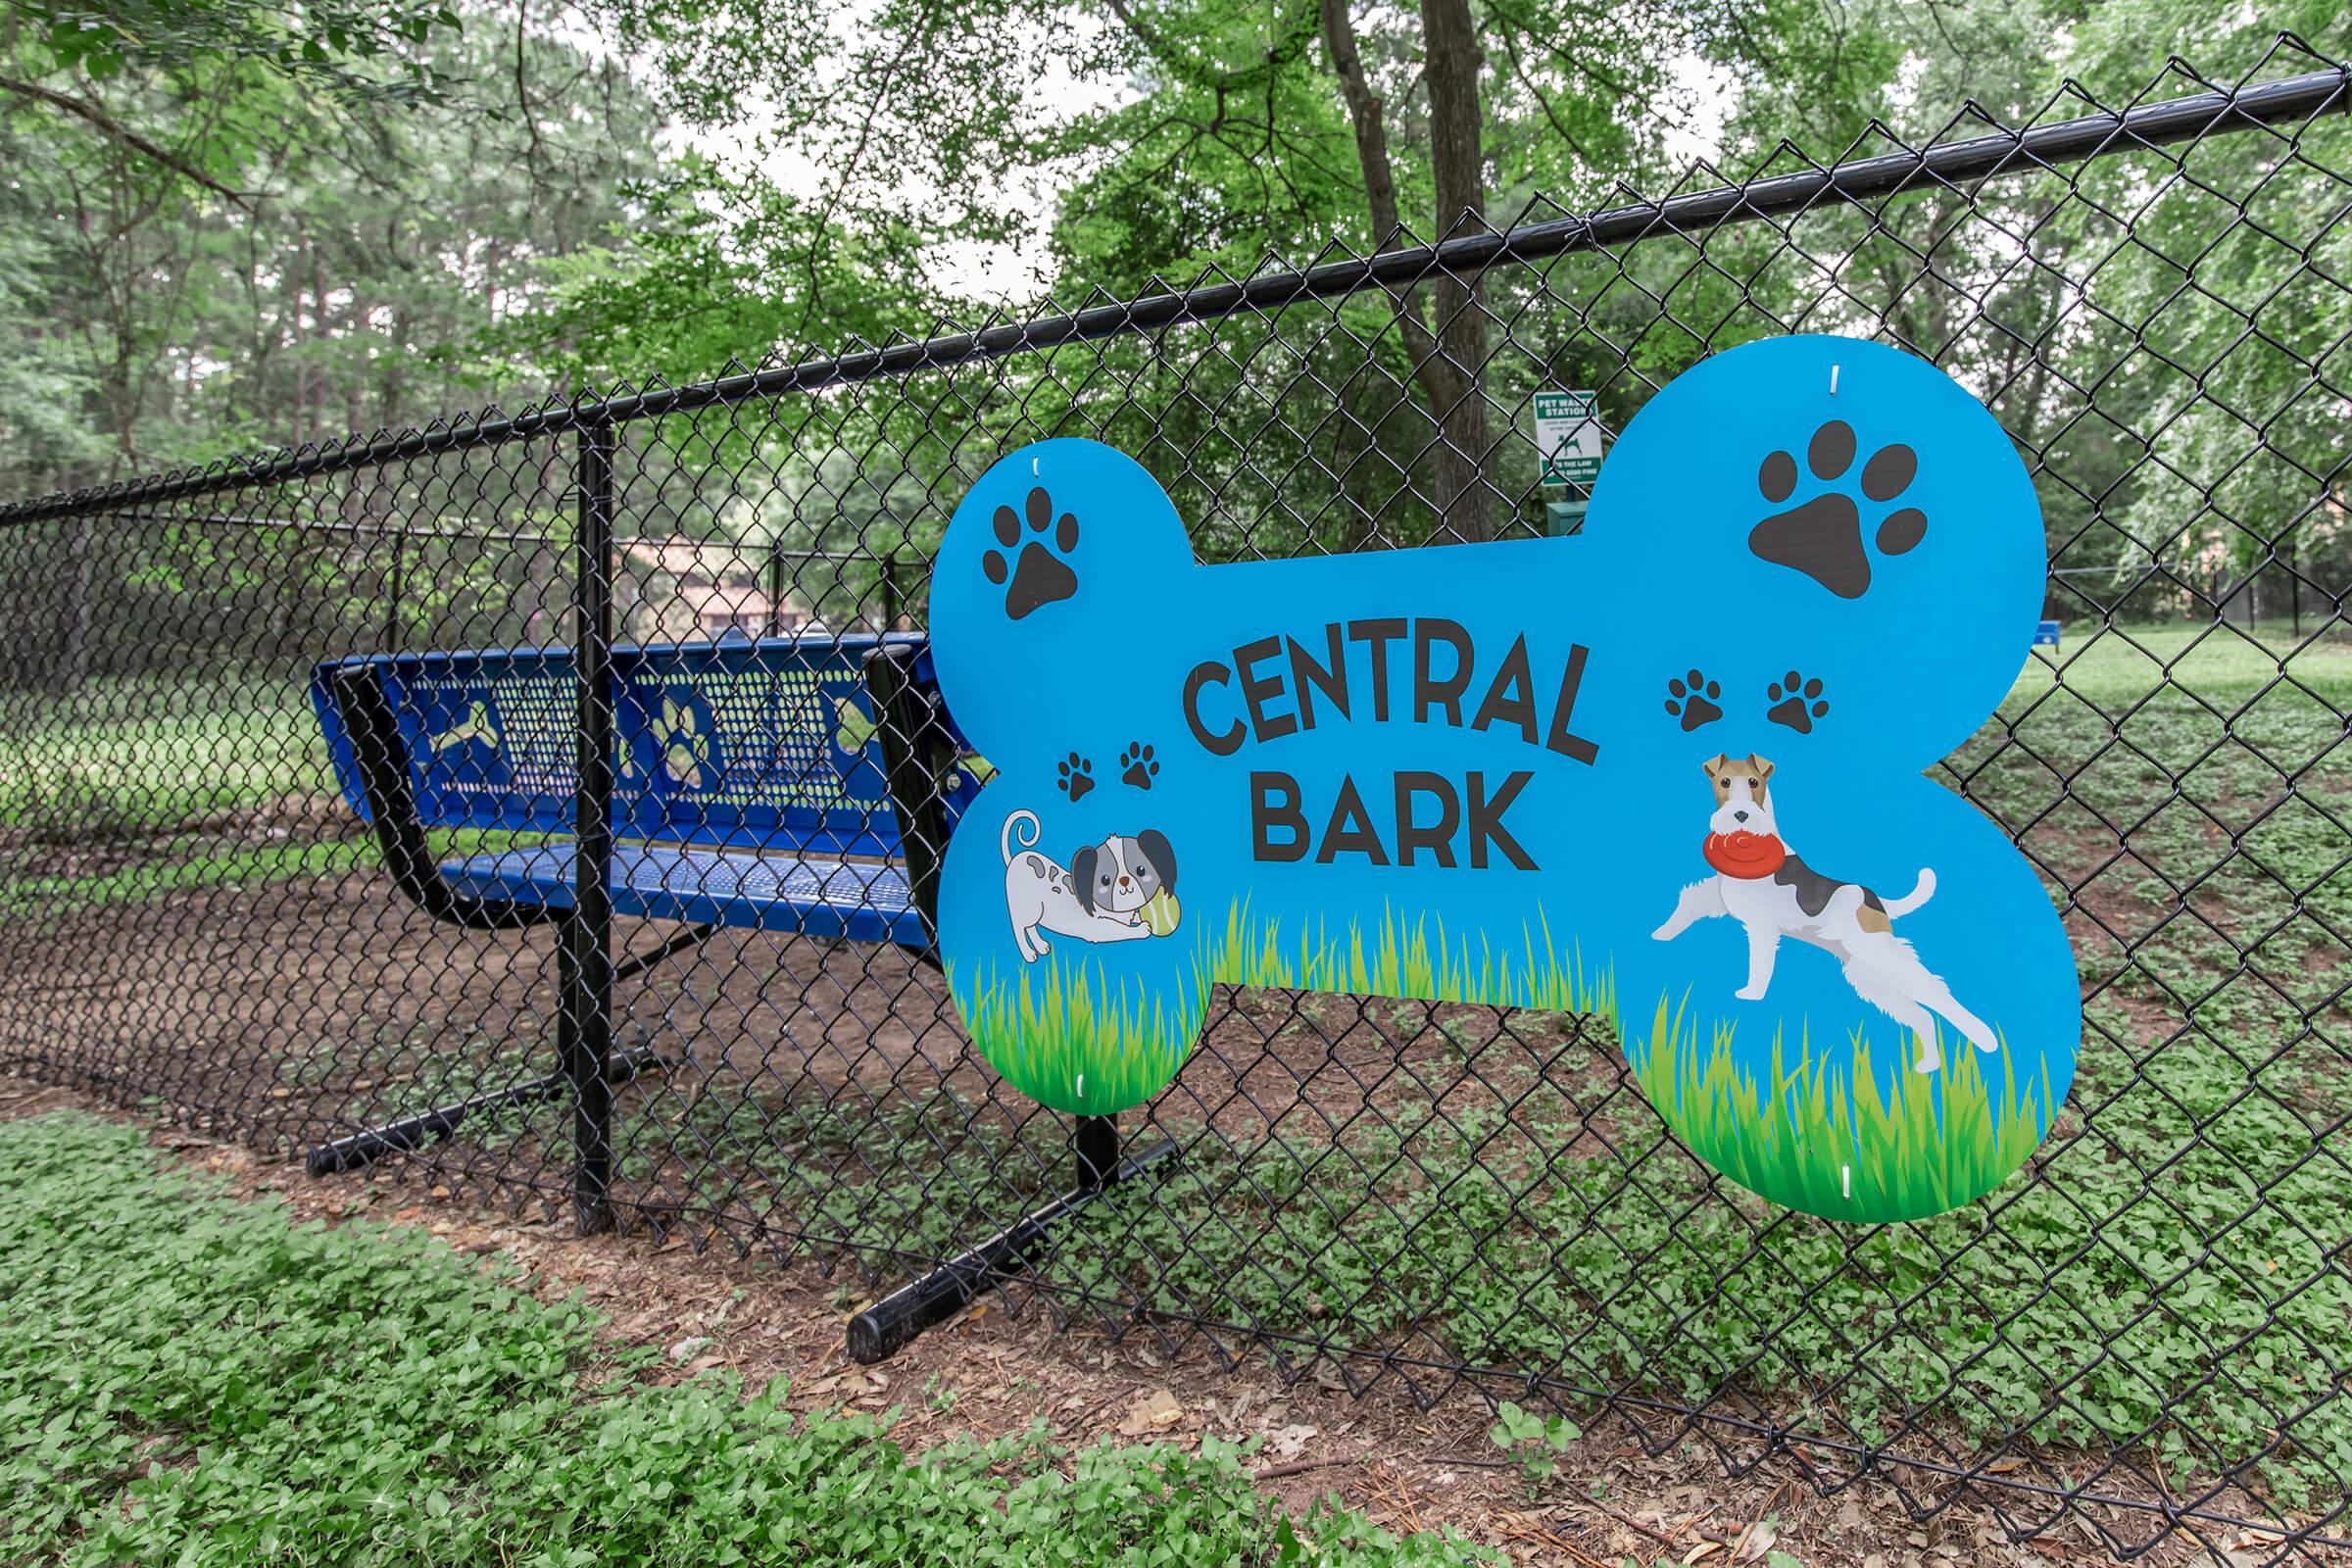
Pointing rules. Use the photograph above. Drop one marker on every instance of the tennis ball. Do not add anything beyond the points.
(1161, 912)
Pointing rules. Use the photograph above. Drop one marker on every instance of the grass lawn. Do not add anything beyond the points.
(186, 862)
(154, 751)
(189, 1380)
(2114, 667)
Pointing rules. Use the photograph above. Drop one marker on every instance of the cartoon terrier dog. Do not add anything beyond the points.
(1098, 898)
(1774, 894)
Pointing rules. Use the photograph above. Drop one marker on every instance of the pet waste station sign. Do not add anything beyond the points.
(1670, 768)
(1568, 434)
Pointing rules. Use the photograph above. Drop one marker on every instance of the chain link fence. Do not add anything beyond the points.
(2150, 1328)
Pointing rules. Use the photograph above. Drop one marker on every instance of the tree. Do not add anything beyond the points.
(1247, 130)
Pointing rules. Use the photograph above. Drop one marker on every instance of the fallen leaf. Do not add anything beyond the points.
(1289, 1442)
(1755, 1541)
(2004, 1464)
(847, 1383)
(1155, 1411)
(1700, 1551)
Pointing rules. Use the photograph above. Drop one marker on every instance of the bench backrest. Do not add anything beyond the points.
(766, 744)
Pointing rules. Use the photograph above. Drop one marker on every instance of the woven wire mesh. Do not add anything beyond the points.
(2151, 1327)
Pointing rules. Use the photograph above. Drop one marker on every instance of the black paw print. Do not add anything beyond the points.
(1137, 765)
(1823, 537)
(1695, 698)
(1077, 776)
(1796, 702)
(1040, 575)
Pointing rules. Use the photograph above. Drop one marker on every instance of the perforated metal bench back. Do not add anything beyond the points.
(749, 745)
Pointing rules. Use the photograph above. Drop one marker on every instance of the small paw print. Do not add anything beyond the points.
(1038, 576)
(1137, 765)
(684, 746)
(1796, 702)
(1823, 537)
(1077, 776)
(1694, 699)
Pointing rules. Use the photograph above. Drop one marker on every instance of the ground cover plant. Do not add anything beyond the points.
(2079, 1308)
(188, 1379)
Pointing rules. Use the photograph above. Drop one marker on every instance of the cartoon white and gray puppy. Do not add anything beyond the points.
(1099, 896)
(1767, 889)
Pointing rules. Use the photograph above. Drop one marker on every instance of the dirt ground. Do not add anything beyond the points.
(1003, 1364)
(335, 1003)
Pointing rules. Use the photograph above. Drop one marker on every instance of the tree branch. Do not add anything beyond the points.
(116, 131)
(819, 242)
(533, 156)
(1364, 114)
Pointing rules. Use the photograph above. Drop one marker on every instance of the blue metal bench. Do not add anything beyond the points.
(751, 780)
(791, 784)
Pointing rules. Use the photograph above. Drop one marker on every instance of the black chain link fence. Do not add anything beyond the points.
(2150, 1328)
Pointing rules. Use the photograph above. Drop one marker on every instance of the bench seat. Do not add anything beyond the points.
(860, 900)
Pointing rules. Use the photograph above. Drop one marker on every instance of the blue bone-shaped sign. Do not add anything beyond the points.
(1668, 771)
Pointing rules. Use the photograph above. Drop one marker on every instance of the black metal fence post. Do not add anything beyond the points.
(585, 964)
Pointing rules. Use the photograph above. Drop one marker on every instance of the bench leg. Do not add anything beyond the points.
(890, 1324)
(413, 1132)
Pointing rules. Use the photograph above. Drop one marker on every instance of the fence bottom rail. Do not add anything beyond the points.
(893, 1323)
(361, 1149)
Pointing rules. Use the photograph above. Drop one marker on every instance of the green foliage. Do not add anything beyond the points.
(140, 754)
(323, 46)
(1533, 1441)
(1521, 1232)
(310, 201)
(193, 1381)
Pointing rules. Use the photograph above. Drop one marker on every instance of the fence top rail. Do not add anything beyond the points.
(2170, 120)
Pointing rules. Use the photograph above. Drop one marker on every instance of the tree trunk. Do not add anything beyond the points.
(297, 335)
(1449, 364)
(1458, 160)
(317, 415)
